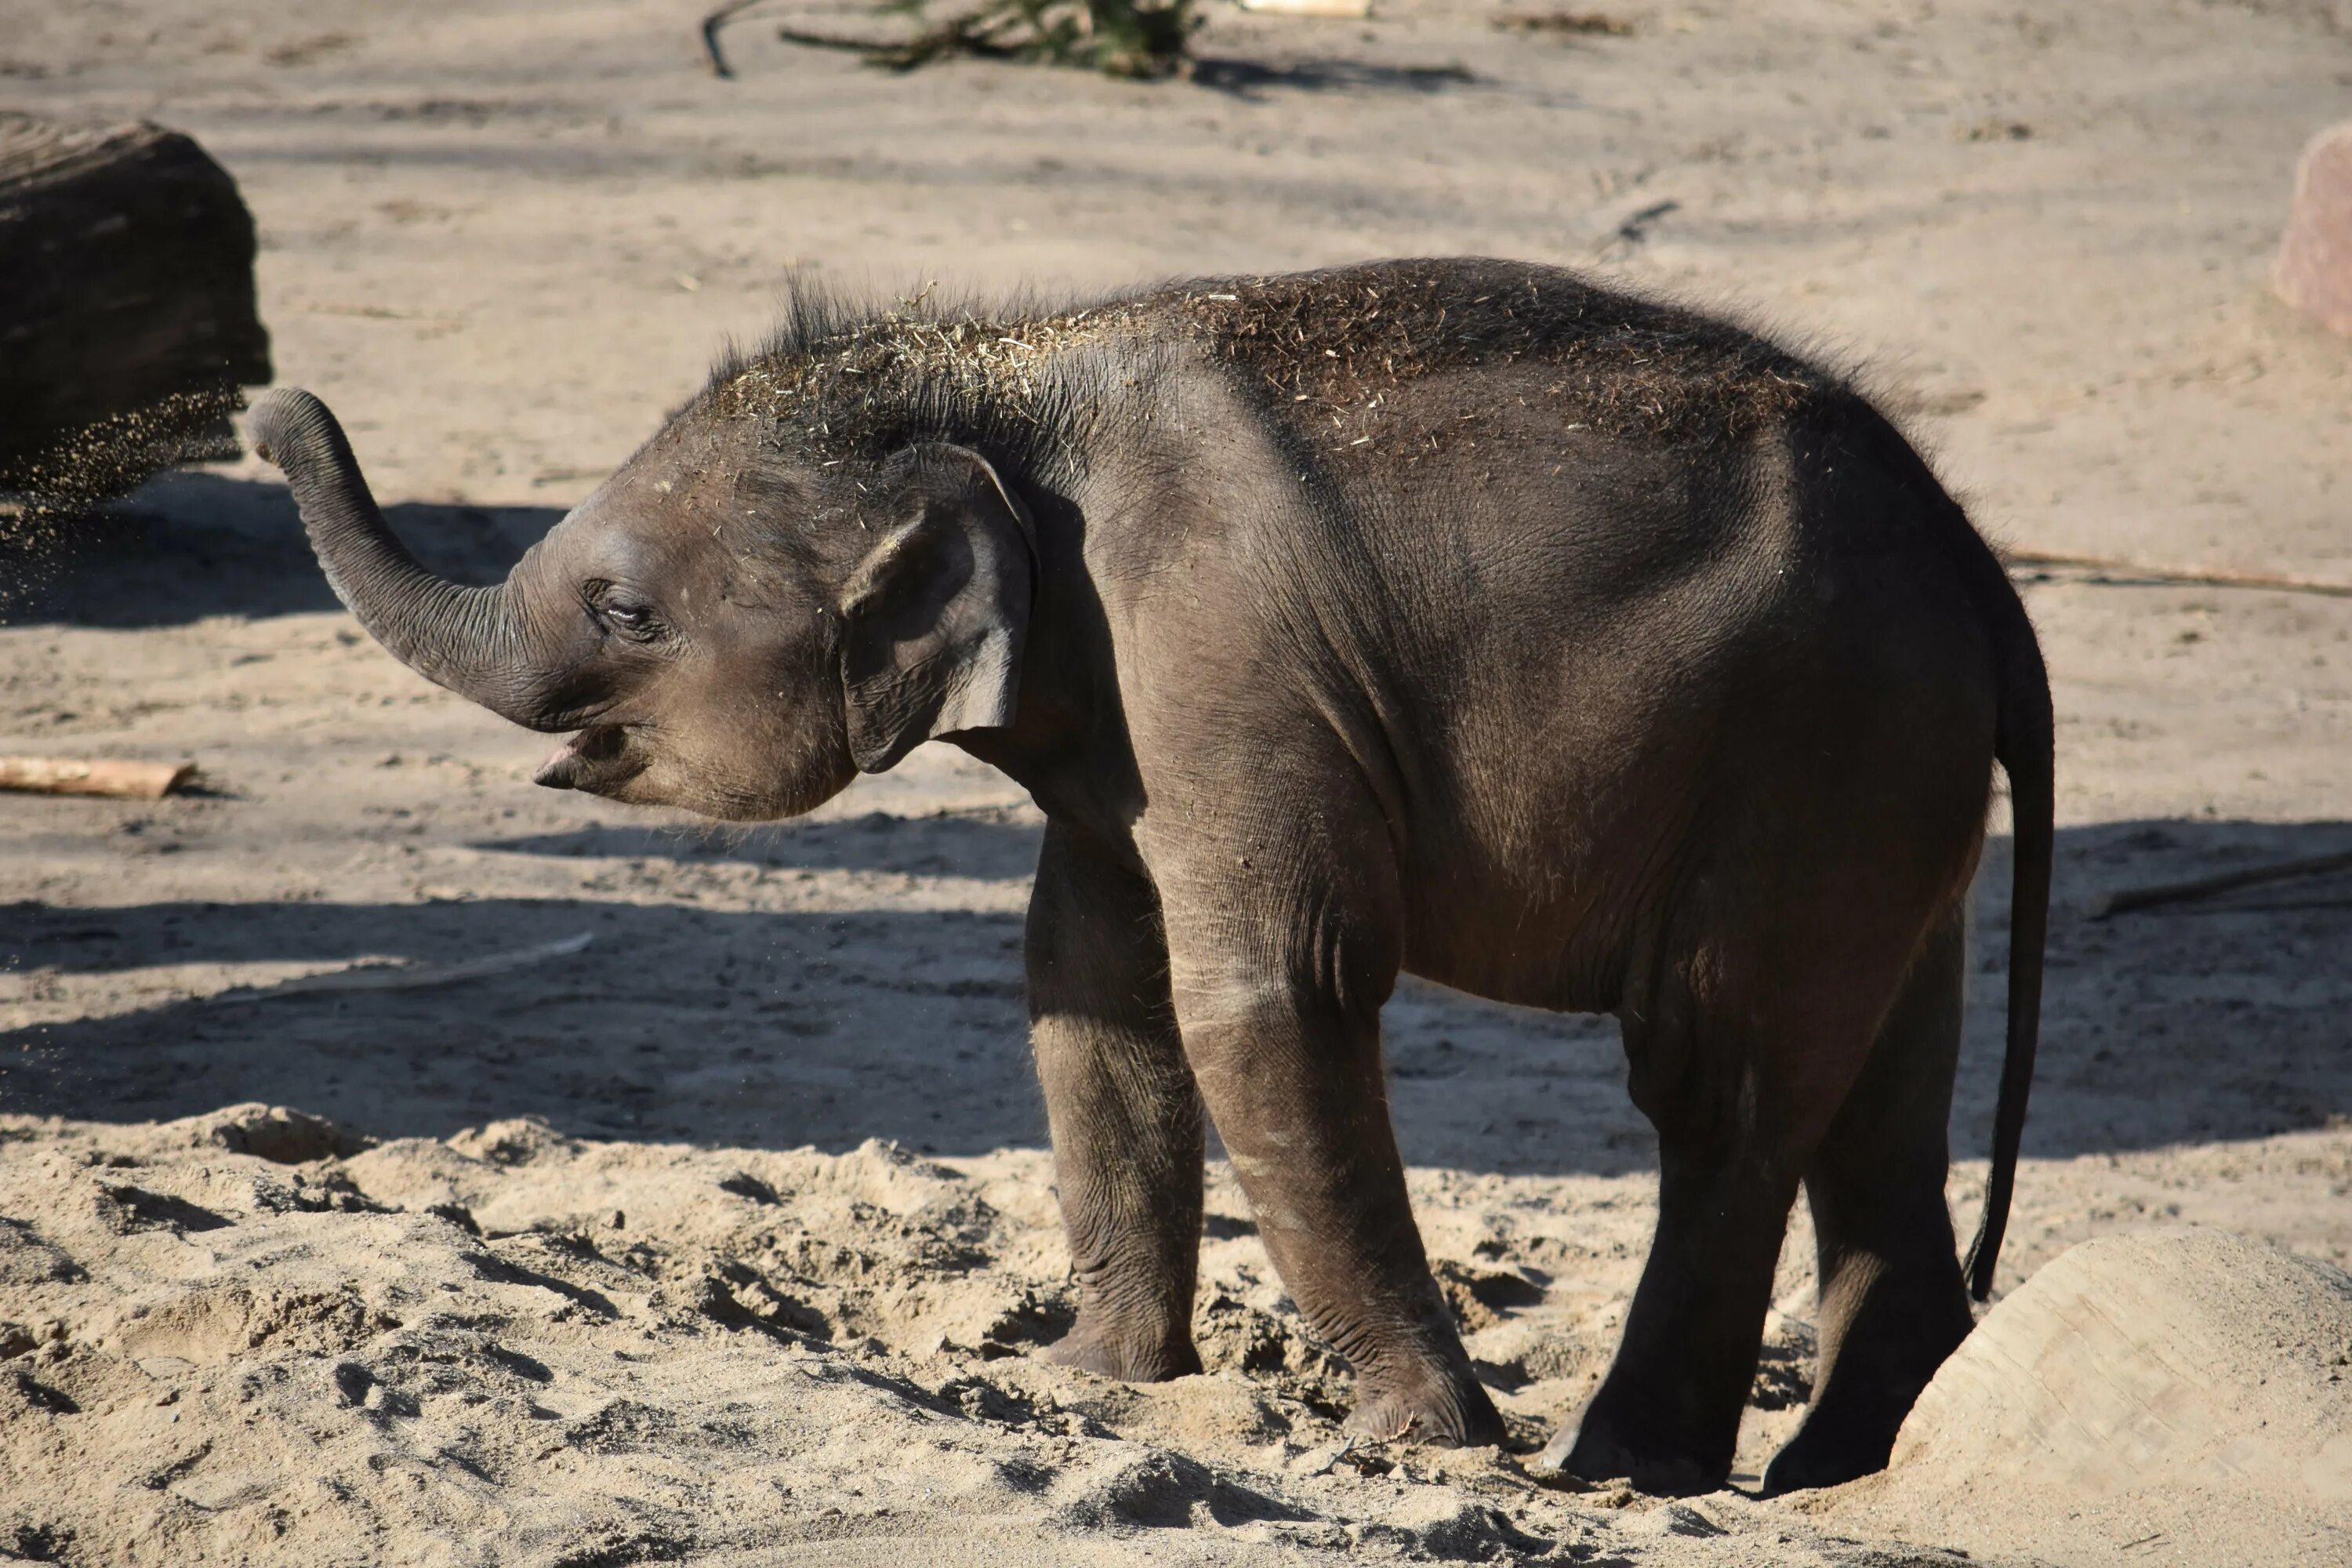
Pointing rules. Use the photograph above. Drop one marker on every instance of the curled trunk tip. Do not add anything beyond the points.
(461, 637)
(290, 419)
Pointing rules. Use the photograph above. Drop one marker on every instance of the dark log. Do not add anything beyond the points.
(127, 318)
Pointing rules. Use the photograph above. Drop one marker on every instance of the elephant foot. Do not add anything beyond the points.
(1130, 1357)
(1603, 1446)
(1850, 1432)
(1820, 1455)
(1444, 1412)
(1886, 1353)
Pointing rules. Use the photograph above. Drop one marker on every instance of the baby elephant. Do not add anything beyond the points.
(1460, 618)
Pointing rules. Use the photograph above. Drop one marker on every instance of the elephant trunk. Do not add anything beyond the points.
(465, 638)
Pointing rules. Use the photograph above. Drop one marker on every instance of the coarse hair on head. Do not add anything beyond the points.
(816, 315)
(846, 373)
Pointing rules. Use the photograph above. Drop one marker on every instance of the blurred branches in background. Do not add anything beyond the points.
(1143, 40)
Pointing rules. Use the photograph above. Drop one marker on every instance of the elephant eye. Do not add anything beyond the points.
(629, 618)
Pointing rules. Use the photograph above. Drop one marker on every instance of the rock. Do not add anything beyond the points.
(2314, 261)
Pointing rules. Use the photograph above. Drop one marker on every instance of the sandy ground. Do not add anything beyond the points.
(723, 1238)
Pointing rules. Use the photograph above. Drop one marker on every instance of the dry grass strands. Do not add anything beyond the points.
(873, 384)
(1623, 366)
(1325, 348)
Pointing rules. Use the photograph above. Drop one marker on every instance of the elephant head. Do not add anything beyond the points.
(715, 628)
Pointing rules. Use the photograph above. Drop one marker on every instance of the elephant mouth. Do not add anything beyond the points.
(597, 760)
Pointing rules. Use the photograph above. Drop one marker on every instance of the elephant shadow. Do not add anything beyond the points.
(673, 1023)
(2208, 1020)
(993, 845)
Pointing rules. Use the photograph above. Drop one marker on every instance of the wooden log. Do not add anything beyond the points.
(100, 775)
(127, 317)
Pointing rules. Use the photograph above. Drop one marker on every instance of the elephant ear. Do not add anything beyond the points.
(936, 615)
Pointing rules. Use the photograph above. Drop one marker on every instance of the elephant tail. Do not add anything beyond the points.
(2022, 742)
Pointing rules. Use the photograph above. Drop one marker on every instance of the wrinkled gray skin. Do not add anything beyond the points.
(1457, 618)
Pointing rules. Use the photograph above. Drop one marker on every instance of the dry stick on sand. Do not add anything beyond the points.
(2186, 576)
(1597, 23)
(2130, 898)
(711, 26)
(75, 775)
(410, 976)
(1341, 10)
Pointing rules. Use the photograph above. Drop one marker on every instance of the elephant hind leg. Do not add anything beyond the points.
(1667, 1415)
(1893, 1305)
(1744, 1056)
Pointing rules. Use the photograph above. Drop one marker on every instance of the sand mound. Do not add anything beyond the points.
(2182, 1395)
(254, 1336)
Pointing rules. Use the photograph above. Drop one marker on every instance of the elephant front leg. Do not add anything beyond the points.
(1292, 1079)
(1124, 1113)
